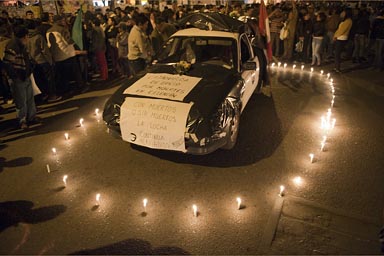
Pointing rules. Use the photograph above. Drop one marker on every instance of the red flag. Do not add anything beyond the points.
(264, 28)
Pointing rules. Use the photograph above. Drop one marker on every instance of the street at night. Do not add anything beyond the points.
(331, 204)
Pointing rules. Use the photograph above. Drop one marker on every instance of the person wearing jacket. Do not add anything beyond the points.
(64, 54)
(18, 67)
(361, 37)
(341, 36)
(98, 48)
(318, 36)
(122, 47)
(378, 36)
(291, 26)
(44, 71)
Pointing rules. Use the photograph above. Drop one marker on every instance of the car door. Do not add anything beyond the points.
(249, 76)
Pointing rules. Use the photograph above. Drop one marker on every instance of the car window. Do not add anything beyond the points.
(245, 50)
(208, 50)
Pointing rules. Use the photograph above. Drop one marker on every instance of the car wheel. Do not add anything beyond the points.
(232, 129)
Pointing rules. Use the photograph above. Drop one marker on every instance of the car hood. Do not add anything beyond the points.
(207, 95)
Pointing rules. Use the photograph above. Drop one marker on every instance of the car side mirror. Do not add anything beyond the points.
(249, 65)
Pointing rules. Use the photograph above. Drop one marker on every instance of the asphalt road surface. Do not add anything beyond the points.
(335, 207)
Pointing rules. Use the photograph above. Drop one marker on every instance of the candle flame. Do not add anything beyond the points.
(332, 102)
(311, 156)
(311, 70)
(66, 135)
(281, 193)
(238, 203)
(302, 67)
(328, 75)
(294, 66)
(194, 207)
(145, 201)
(54, 151)
(97, 198)
(279, 64)
(97, 111)
(65, 177)
(285, 65)
(81, 121)
(273, 64)
(324, 139)
(298, 181)
(321, 71)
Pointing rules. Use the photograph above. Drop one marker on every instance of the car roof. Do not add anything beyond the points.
(205, 33)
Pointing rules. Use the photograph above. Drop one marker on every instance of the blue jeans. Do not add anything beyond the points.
(379, 51)
(23, 97)
(316, 50)
(361, 42)
(339, 47)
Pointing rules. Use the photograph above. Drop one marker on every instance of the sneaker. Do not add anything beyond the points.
(54, 98)
(35, 120)
(23, 125)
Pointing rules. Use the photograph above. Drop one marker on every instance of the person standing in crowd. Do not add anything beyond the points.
(331, 24)
(378, 36)
(341, 36)
(318, 36)
(29, 15)
(139, 48)
(277, 22)
(361, 37)
(45, 25)
(43, 72)
(160, 34)
(291, 26)
(304, 32)
(98, 48)
(111, 34)
(64, 54)
(122, 47)
(4, 86)
(18, 67)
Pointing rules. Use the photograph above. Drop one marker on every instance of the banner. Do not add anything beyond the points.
(154, 123)
(163, 86)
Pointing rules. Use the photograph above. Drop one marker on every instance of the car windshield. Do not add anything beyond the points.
(208, 50)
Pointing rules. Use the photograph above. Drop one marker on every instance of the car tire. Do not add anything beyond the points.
(232, 129)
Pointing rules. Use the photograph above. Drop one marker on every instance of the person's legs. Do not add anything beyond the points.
(19, 94)
(30, 101)
(102, 63)
(137, 65)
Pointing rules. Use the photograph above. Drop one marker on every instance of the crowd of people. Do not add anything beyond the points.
(122, 42)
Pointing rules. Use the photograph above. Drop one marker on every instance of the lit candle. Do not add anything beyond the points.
(322, 146)
(97, 111)
(81, 121)
(324, 139)
(97, 199)
(279, 64)
(65, 177)
(48, 168)
(323, 122)
(328, 75)
(302, 67)
(238, 203)
(311, 156)
(294, 66)
(332, 102)
(273, 64)
(333, 97)
(285, 65)
(54, 151)
(333, 123)
(194, 207)
(145, 201)
(311, 70)
(321, 72)
(66, 136)
(329, 113)
(282, 188)
(331, 80)
(298, 181)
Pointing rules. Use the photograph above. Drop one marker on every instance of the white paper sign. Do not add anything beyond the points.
(154, 123)
(163, 86)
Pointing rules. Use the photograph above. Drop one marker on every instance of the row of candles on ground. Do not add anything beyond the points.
(326, 123)
(297, 180)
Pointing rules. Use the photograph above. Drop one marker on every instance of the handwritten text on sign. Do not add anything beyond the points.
(163, 86)
(154, 123)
